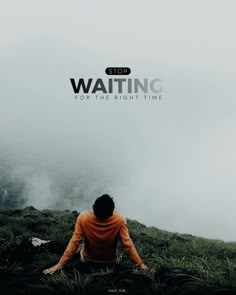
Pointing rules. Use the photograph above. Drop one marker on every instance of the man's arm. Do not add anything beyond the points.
(129, 248)
(70, 249)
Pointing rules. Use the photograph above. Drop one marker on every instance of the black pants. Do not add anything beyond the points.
(89, 267)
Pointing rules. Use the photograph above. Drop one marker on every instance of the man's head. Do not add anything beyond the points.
(103, 207)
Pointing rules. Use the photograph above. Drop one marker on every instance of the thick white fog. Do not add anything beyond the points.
(169, 163)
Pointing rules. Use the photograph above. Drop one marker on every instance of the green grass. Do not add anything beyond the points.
(211, 264)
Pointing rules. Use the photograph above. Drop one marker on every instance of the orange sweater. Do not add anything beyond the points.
(101, 237)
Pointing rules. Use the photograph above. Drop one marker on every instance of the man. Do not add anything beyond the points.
(101, 230)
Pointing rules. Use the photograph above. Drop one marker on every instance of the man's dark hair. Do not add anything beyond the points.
(103, 206)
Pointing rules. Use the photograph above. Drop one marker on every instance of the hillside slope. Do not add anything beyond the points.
(178, 263)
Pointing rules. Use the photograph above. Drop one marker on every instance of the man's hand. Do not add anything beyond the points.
(52, 269)
(143, 266)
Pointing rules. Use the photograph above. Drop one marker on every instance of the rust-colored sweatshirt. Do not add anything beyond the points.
(101, 237)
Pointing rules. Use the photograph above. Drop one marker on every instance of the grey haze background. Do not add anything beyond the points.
(171, 163)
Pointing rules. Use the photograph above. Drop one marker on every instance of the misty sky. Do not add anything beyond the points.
(169, 163)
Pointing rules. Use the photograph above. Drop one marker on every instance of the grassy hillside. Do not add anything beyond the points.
(178, 264)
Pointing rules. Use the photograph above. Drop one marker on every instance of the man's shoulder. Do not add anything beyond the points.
(84, 214)
(117, 215)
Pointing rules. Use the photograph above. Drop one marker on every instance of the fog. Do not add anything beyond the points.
(168, 163)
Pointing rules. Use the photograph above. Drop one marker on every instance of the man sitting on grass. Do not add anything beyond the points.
(101, 230)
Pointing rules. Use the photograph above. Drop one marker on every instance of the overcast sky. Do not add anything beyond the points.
(169, 163)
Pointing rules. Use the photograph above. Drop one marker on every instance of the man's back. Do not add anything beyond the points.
(101, 230)
(101, 236)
